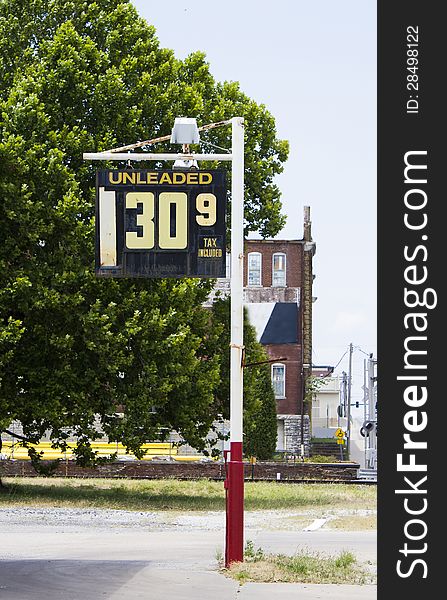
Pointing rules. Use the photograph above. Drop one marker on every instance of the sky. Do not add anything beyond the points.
(313, 64)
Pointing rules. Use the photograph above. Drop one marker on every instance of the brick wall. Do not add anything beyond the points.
(293, 250)
(291, 404)
(212, 470)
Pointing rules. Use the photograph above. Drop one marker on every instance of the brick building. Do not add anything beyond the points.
(278, 296)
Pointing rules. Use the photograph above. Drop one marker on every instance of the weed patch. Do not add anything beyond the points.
(299, 568)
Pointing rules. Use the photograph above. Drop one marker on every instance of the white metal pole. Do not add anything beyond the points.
(237, 278)
(234, 551)
(365, 403)
(372, 440)
(123, 156)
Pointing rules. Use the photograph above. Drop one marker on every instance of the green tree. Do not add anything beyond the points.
(258, 397)
(78, 76)
(93, 75)
(260, 425)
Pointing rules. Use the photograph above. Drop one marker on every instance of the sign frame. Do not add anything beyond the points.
(160, 223)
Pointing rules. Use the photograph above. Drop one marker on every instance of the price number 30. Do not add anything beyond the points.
(172, 219)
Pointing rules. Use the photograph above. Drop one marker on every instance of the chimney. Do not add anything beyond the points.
(307, 232)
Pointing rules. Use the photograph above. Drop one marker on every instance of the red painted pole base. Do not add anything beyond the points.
(234, 485)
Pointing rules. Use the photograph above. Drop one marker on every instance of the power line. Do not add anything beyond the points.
(346, 351)
(358, 348)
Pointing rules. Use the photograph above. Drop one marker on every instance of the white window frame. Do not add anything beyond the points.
(283, 366)
(260, 269)
(273, 269)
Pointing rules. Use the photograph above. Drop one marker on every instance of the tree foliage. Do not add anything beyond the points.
(79, 76)
(313, 386)
(260, 426)
(87, 76)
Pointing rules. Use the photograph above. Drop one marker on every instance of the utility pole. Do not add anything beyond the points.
(348, 403)
(342, 405)
(343, 396)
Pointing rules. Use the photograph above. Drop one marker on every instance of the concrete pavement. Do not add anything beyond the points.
(133, 580)
(44, 561)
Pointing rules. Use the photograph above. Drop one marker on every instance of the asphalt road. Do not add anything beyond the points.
(45, 559)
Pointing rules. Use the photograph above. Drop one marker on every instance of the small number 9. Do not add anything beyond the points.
(206, 206)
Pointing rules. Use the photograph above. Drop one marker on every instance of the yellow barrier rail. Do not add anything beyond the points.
(11, 450)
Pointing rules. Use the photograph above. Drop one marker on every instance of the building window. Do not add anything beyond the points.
(279, 270)
(254, 268)
(279, 380)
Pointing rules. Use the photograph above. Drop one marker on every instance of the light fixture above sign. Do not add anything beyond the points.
(185, 131)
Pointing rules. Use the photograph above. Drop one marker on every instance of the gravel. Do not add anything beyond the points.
(161, 520)
(104, 518)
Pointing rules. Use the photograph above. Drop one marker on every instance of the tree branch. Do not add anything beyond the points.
(16, 435)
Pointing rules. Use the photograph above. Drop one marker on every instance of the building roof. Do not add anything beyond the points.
(275, 322)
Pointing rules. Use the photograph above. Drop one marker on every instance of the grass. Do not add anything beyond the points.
(299, 568)
(170, 494)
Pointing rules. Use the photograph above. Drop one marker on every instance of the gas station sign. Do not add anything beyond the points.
(166, 223)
